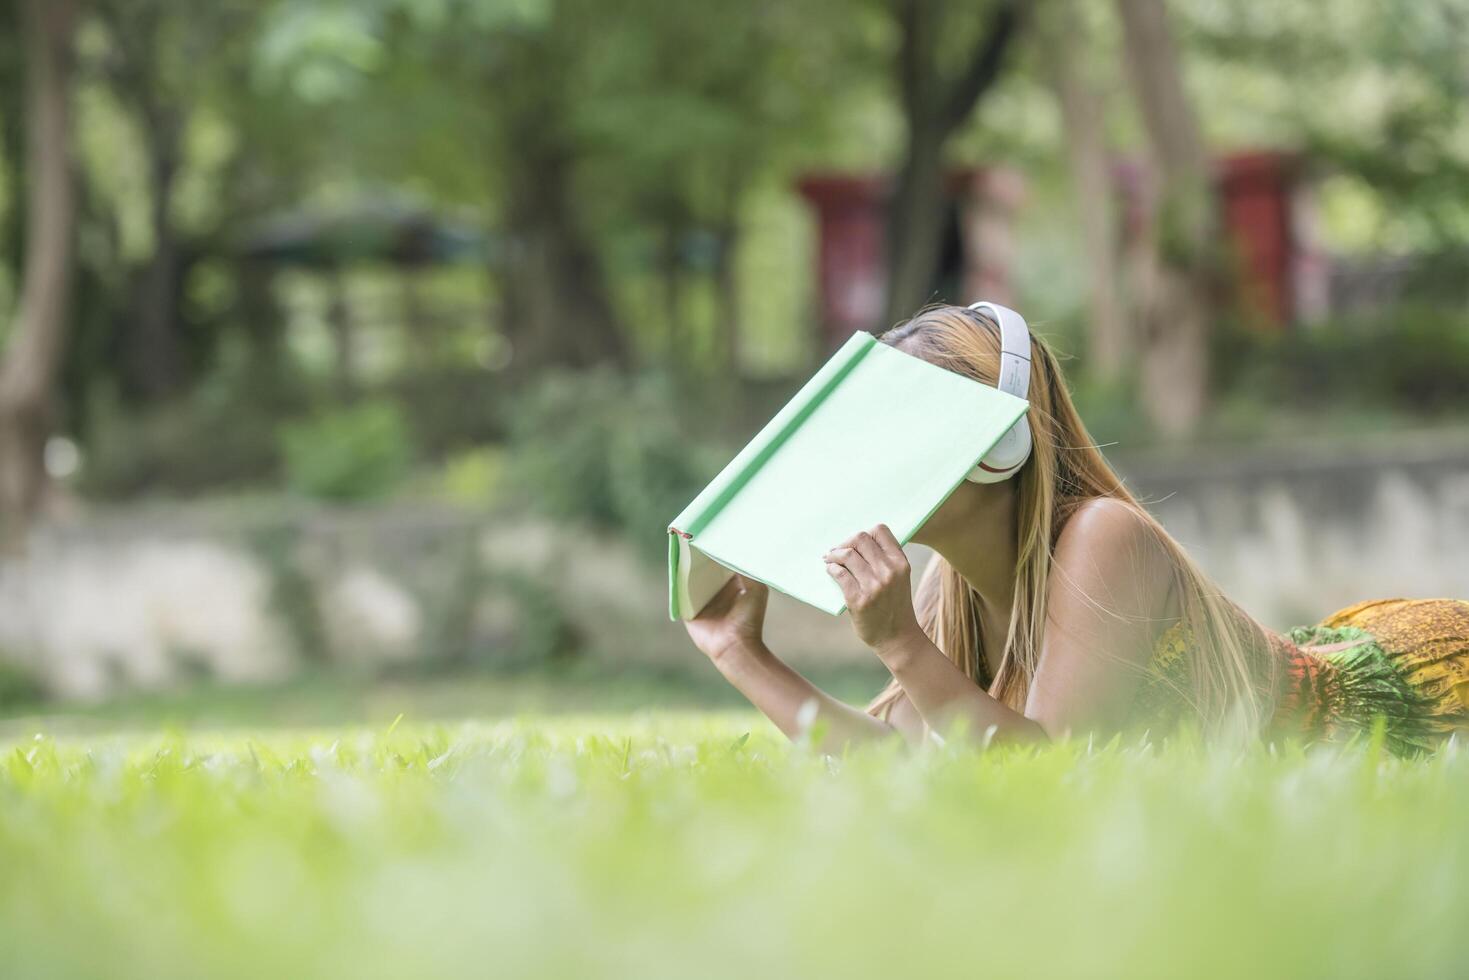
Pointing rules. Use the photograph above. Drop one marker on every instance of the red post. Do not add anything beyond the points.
(851, 216)
(1255, 196)
(1259, 195)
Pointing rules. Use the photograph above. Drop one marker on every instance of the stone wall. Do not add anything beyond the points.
(1293, 535)
(142, 598)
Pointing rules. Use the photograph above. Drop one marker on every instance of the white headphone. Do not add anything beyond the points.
(1006, 456)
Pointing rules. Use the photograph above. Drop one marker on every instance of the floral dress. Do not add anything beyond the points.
(1400, 663)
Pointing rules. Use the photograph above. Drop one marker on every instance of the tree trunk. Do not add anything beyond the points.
(584, 329)
(727, 300)
(1110, 346)
(155, 354)
(1175, 310)
(419, 325)
(33, 349)
(915, 223)
(934, 106)
(556, 292)
(344, 335)
(671, 272)
(12, 137)
(260, 314)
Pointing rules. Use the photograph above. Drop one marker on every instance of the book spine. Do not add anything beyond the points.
(673, 574)
(697, 515)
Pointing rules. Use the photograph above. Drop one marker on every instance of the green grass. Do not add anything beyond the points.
(336, 697)
(702, 845)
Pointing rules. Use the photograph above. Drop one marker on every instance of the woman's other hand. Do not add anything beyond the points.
(874, 577)
(733, 620)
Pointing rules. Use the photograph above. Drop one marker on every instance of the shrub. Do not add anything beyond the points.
(358, 453)
(615, 452)
(472, 477)
(495, 619)
(208, 439)
(1412, 359)
(18, 686)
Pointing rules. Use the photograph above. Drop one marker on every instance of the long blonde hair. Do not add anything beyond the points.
(1065, 469)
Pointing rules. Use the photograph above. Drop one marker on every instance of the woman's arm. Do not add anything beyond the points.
(1111, 592)
(729, 629)
(874, 577)
(1108, 595)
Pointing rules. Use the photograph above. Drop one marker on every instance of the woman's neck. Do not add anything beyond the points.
(975, 531)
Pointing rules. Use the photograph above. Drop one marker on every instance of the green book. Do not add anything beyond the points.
(876, 436)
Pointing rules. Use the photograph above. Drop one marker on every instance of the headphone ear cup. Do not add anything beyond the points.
(981, 475)
(1006, 457)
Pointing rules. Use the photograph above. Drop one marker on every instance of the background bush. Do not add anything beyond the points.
(618, 453)
(358, 453)
(1414, 359)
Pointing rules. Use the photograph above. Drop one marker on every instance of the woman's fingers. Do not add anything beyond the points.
(868, 548)
(846, 581)
(752, 587)
(852, 560)
(888, 542)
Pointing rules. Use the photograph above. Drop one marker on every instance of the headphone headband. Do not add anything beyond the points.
(1014, 348)
(1006, 456)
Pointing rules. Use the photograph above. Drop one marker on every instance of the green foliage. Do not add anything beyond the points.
(1373, 371)
(1411, 359)
(1112, 412)
(18, 686)
(358, 453)
(493, 619)
(293, 598)
(472, 478)
(613, 452)
(657, 840)
(222, 434)
(538, 632)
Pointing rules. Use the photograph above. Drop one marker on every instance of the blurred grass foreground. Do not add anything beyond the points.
(693, 846)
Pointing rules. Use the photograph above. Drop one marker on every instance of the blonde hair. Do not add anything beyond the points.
(1066, 469)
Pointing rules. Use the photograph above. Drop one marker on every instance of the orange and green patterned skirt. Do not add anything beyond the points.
(1399, 663)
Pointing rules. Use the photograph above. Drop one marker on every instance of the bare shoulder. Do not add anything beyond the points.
(1112, 547)
(1109, 524)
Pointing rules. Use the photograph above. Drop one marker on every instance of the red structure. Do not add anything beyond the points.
(1263, 205)
(1261, 197)
(851, 214)
(1256, 191)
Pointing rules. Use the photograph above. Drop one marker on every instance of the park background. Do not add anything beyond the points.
(356, 354)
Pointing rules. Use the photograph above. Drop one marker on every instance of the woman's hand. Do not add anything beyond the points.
(874, 574)
(733, 620)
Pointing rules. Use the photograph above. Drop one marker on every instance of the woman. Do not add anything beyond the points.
(1054, 604)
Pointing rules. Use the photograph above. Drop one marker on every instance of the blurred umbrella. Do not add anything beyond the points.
(370, 231)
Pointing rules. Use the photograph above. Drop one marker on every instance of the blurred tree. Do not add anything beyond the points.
(936, 100)
(1174, 298)
(1393, 75)
(681, 142)
(12, 135)
(628, 165)
(158, 62)
(494, 89)
(1067, 42)
(34, 344)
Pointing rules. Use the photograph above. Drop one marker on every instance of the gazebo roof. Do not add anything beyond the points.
(368, 231)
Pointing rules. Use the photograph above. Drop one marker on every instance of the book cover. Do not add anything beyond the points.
(876, 436)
